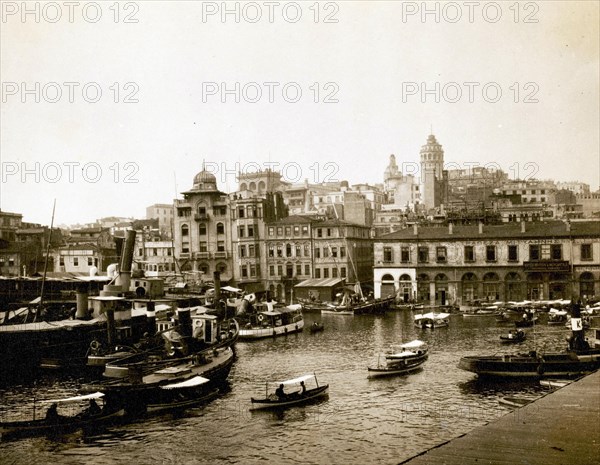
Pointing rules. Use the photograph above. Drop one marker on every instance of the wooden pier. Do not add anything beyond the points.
(562, 427)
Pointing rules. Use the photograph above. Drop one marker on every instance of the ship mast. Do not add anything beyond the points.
(41, 304)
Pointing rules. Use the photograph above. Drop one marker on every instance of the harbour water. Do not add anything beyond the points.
(375, 421)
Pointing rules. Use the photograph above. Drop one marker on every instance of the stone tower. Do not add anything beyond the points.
(432, 165)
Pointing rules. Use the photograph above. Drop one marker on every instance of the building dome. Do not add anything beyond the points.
(205, 180)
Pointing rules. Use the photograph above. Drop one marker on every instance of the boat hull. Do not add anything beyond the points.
(63, 425)
(399, 367)
(271, 331)
(311, 394)
(535, 367)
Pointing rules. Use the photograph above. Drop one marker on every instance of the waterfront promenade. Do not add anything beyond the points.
(562, 427)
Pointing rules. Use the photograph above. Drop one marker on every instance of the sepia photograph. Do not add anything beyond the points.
(300, 232)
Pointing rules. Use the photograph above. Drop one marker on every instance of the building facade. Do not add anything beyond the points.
(202, 230)
(163, 212)
(300, 248)
(459, 265)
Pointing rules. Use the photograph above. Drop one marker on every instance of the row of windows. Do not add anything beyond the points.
(218, 210)
(154, 251)
(277, 270)
(91, 261)
(202, 228)
(246, 231)
(325, 272)
(11, 262)
(327, 251)
(298, 230)
(251, 270)
(249, 211)
(203, 246)
(536, 252)
(287, 250)
(158, 267)
(250, 250)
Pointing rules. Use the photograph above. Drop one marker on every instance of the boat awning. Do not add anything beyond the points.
(231, 289)
(324, 282)
(297, 380)
(401, 354)
(554, 311)
(95, 395)
(432, 316)
(412, 344)
(195, 381)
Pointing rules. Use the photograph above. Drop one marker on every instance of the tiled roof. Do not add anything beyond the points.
(507, 230)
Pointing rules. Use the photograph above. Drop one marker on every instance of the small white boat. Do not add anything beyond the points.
(490, 310)
(400, 360)
(432, 320)
(276, 397)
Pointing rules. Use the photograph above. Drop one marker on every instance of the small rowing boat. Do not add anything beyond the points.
(278, 398)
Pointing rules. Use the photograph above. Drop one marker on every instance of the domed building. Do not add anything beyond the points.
(205, 181)
(202, 229)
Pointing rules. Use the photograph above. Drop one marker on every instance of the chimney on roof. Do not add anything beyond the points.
(522, 226)
(415, 229)
(481, 227)
(450, 228)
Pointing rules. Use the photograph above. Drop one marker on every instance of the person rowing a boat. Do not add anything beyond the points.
(52, 413)
(279, 392)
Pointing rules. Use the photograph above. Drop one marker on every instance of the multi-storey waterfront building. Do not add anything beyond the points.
(249, 213)
(202, 229)
(288, 254)
(462, 264)
(301, 247)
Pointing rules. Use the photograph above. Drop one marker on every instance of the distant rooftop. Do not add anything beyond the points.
(508, 230)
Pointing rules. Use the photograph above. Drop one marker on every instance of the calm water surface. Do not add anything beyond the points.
(362, 421)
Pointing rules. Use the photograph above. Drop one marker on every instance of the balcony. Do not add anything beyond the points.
(202, 255)
(221, 254)
(201, 217)
(184, 255)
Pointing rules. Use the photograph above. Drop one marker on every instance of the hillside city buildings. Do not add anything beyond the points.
(435, 231)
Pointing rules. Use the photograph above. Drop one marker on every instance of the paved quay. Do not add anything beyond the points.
(562, 427)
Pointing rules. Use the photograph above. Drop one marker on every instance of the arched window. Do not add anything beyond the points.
(220, 228)
(491, 286)
(202, 229)
(469, 287)
(203, 267)
(221, 267)
(185, 230)
(387, 277)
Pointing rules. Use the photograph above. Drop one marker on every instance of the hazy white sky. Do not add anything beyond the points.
(373, 74)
